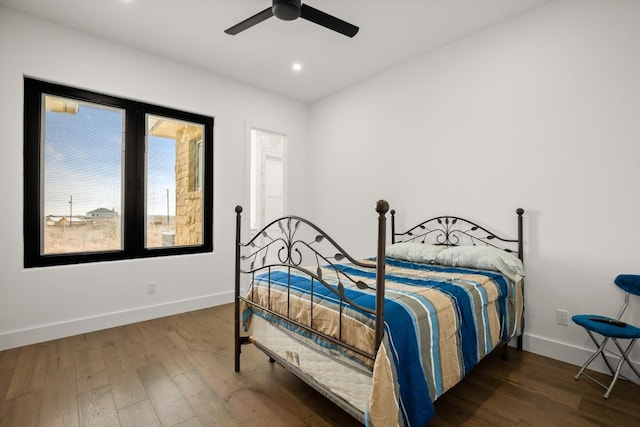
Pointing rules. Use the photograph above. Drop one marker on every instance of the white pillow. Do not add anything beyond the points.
(414, 252)
(483, 258)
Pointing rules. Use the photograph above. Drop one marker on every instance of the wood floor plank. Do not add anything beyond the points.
(605, 412)
(171, 357)
(58, 408)
(28, 375)
(473, 397)
(5, 381)
(193, 422)
(61, 354)
(248, 408)
(217, 374)
(532, 401)
(140, 352)
(121, 371)
(168, 402)
(151, 330)
(139, 414)
(90, 370)
(97, 409)
(205, 333)
(279, 389)
(9, 358)
(188, 336)
(209, 407)
(22, 411)
(131, 333)
(537, 380)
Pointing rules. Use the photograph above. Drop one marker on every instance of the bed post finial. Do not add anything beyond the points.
(238, 209)
(382, 207)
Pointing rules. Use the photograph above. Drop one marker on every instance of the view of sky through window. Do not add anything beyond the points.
(83, 160)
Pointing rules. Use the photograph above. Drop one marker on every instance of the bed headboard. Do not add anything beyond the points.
(455, 231)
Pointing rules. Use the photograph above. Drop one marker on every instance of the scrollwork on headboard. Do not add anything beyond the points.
(455, 231)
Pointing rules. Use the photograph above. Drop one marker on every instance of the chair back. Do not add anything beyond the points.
(629, 283)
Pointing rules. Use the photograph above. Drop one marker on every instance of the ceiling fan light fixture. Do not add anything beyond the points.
(287, 10)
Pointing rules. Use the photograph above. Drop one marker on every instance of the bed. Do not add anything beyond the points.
(382, 337)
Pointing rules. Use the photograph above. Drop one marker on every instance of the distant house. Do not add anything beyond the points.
(53, 220)
(59, 221)
(101, 213)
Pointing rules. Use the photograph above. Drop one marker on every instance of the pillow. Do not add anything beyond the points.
(414, 252)
(483, 258)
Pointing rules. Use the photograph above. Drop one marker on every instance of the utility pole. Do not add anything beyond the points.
(168, 207)
(70, 209)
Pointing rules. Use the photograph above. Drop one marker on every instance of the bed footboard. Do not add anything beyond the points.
(290, 247)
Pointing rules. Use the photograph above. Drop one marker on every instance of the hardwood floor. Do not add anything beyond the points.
(178, 371)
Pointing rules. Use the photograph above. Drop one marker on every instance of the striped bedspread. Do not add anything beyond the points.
(439, 322)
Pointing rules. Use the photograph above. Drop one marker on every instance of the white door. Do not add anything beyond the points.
(267, 190)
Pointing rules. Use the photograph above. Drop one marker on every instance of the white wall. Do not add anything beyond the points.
(540, 112)
(44, 303)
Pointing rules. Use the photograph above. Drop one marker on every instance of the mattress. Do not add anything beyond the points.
(339, 375)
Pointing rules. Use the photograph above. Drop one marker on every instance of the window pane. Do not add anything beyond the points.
(82, 188)
(174, 169)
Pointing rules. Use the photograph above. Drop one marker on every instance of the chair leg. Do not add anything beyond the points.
(616, 375)
(594, 355)
(602, 353)
(624, 357)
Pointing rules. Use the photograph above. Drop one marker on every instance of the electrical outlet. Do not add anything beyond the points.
(562, 317)
(151, 289)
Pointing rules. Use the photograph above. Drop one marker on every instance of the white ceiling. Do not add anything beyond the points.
(192, 32)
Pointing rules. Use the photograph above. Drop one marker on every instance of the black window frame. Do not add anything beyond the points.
(133, 215)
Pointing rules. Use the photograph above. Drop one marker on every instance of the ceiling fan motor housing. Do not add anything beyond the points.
(287, 10)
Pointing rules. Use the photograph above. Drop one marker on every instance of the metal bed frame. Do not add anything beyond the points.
(297, 244)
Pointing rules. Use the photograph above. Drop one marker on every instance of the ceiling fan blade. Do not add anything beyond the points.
(331, 22)
(250, 22)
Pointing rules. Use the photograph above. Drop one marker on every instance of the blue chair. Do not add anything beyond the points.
(612, 329)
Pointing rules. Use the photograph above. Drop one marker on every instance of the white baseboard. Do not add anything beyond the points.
(573, 355)
(47, 332)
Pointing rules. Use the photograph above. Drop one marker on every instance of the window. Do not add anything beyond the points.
(266, 177)
(107, 178)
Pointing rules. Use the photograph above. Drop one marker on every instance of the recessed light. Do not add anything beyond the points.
(296, 67)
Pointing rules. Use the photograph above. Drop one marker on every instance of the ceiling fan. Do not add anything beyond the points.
(288, 10)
